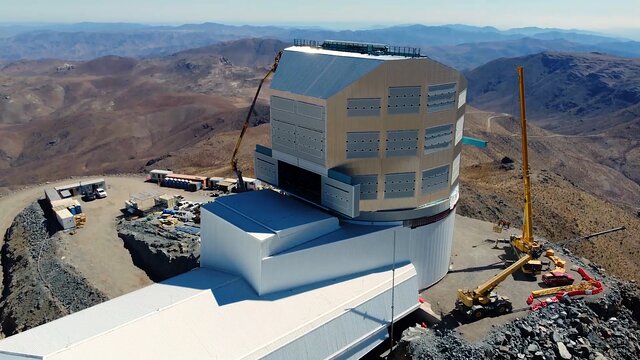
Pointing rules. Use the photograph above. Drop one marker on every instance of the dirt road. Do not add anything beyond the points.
(95, 250)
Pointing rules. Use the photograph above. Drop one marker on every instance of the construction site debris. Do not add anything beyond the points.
(591, 328)
(164, 243)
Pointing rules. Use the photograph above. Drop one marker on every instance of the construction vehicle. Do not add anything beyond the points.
(241, 187)
(482, 300)
(557, 278)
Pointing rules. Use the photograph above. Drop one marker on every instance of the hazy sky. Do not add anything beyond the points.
(583, 14)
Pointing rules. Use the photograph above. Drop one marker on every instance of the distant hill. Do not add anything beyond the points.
(245, 52)
(579, 95)
(118, 114)
(566, 92)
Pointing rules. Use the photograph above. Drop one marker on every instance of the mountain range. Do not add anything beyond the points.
(460, 46)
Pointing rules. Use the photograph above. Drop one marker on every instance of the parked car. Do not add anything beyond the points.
(100, 193)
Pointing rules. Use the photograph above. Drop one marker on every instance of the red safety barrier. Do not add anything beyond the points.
(598, 288)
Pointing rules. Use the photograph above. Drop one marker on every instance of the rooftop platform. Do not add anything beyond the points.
(207, 314)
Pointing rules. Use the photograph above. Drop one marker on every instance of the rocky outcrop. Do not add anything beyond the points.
(159, 252)
(38, 286)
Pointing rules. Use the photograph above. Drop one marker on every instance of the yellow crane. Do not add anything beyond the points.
(240, 187)
(482, 300)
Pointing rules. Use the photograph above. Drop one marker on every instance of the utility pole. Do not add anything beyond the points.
(393, 293)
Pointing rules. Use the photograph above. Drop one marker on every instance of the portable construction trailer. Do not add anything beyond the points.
(51, 194)
(166, 201)
(212, 182)
(64, 217)
(158, 176)
(141, 202)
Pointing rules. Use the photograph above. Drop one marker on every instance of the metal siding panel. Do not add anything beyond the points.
(363, 144)
(435, 179)
(403, 110)
(462, 98)
(310, 143)
(438, 138)
(281, 103)
(319, 75)
(442, 88)
(404, 100)
(459, 129)
(283, 136)
(266, 169)
(402, 91)
(402, 143)
(440, 107)
(430, 250)
(341, 197)
(399, 185)
(368, 186)
(455, 169)
(297, 119)
(364, 107)
(310, 110)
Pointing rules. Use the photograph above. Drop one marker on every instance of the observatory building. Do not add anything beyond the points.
(366, 145)
(369, 134)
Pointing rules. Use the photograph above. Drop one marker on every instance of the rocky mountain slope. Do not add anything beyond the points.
(587, 96)
(564, 90)
(116, 114)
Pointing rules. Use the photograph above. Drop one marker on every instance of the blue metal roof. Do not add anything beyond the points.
(319, 75)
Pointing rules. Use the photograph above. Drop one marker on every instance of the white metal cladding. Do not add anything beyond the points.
(455, 169)
(364, 107)
(363, 144)
(360, 322)
(402, 143)
(319, 75)
(368, 186)
(298, 129)
(459, 129)
(441, 97)
(404, 100)
(311, 144)
(283, 136)
(438, 138)
(435, 179)
(399, 185)
(462, 98)
(430, 250)
(283, 104)
(341, 197)
(266, 168)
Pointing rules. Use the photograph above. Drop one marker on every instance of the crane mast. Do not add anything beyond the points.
(525, 243)
(234, 157)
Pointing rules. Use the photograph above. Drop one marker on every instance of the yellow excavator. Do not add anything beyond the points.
(482, 301)
(240, 186)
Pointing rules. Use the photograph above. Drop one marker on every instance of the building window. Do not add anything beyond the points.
(363, 107)
(435, 179)
(363, 144)
(399, 185)
(437, 138)
(441, 97)
(404, 100)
